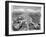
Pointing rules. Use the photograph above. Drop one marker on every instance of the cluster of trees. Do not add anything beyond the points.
(29, 22)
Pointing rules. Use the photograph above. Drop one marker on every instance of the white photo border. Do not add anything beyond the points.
(8, 21)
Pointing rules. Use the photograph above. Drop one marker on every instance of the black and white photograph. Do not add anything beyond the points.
(25, 18)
